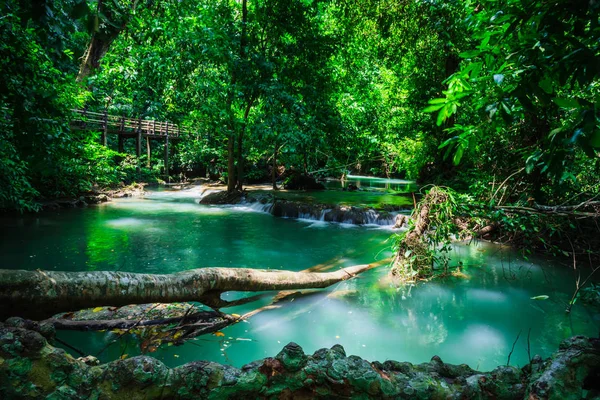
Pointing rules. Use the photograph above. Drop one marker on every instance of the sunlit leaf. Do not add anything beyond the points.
(440, 100)
(177, 335)
(458, 155)
(433, 108)
(98, 309)
(442, 115)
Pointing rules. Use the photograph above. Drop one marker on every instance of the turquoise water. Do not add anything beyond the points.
(373, 184)
(472, 320)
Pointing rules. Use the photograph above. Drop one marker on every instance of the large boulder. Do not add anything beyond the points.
(223, 197)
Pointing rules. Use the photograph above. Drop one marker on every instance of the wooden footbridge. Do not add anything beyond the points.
(129, 128)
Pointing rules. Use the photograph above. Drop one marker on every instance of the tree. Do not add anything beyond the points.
(529, 85)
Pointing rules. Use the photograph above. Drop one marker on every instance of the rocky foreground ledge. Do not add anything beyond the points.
(31, 368)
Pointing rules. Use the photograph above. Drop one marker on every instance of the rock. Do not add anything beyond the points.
(570, 371)
(31, 368)
(96, 198)
(296, 209)
(89, 360)
(133, 190)
(330, 213)
(223, 197)
(292, 357)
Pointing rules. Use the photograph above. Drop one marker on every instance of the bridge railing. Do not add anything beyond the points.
(90, 120)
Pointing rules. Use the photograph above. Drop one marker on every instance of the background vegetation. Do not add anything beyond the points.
(496, 99)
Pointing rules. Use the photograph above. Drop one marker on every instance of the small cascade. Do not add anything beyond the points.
(205, 191)
(312, 211)
(258, 206)
(325, 213)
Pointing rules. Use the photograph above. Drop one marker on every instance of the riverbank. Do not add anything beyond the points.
(32, 368)
(95, 196)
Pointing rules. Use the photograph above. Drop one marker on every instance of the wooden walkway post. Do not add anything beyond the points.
(167, 153)
(104, 127)
(121, 139)
(84, 119)
(138, 145)
(148, 151)
(138, 139)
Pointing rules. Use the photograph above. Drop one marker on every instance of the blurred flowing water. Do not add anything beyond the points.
(474, 319)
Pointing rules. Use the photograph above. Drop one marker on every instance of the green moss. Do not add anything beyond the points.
(42, 376)
(19, 366)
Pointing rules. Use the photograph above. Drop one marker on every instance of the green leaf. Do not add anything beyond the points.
(433, 108)
(595, 139)
(447, 142)
(469, 54)
(439, 100)
(458, 155)
(529, 164)
(442, 115)
(546, 85)
(566, 103)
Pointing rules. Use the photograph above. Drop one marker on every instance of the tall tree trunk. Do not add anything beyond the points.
(105, 33)
(41, 294)
(231, 162)
(240, 155)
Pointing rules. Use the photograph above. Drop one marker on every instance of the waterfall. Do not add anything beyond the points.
(267, 203)
(320, 212)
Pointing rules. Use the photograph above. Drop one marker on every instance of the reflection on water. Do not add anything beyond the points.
(474, 320)
(373, 184)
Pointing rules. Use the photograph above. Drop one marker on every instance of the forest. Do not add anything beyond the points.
(187, 186)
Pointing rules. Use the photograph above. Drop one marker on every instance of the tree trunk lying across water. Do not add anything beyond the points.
(31, 368)
(41, 294)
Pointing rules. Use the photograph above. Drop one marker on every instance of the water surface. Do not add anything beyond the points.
(473, 320)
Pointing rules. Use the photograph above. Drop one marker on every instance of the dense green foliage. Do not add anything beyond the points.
(40, 155)
(499, 99)
(526, 98)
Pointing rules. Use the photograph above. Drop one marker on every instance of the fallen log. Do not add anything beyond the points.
(42, 294)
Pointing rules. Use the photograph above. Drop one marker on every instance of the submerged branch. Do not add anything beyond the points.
(124, 323)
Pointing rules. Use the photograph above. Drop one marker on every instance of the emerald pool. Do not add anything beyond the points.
(473, 319)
